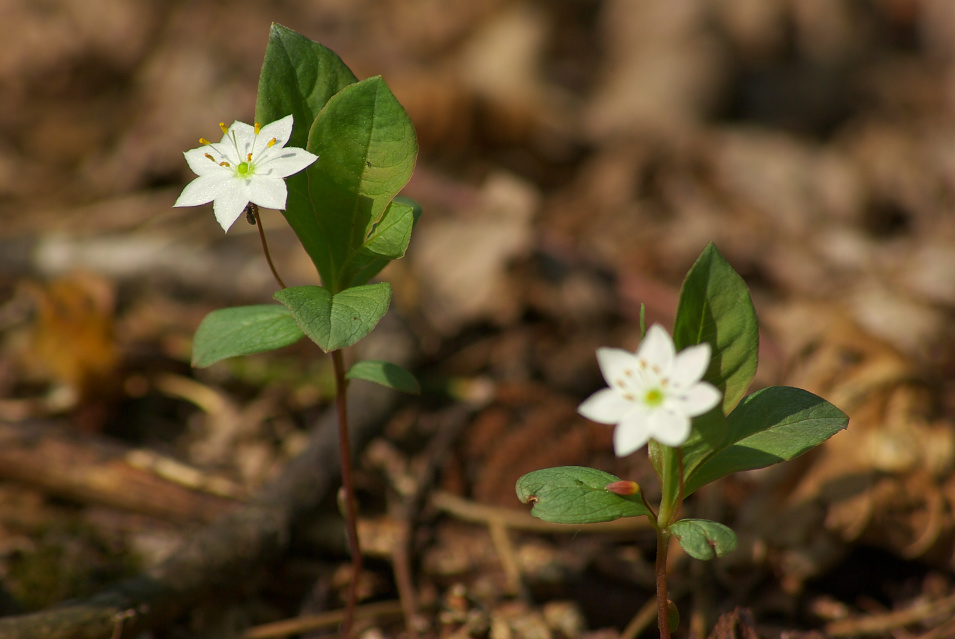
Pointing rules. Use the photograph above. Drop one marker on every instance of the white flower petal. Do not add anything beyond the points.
(606, 407)
(284, 163)
(690, 365)
(615, 364)
(202, 165)
(657, 349)
(244, 134)
(281, 130)
(669, 428)
(630, 436)
(229, 206)
(699, 399)
(204, 189)
(268, 192)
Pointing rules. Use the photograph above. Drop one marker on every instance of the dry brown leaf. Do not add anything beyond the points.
(462, 262)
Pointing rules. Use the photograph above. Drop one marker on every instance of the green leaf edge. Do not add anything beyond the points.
(686, 531)
(385, 374)
(208, 331)
(598, 479)
(703, 472)
(322, 295)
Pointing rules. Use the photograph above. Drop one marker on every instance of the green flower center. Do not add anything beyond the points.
(244, 169)
(654, 397)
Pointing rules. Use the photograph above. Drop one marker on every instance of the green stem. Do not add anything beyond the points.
(351, 511)
(668, 511)
(663, 611)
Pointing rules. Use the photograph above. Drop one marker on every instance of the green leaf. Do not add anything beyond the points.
(298, 77)
(704, 539)
(336, 321)
(386, 374)
(387, 241)
(673, 616)
(243, 330)
(715, 307)
(367, 149)
(770, 426)
(576, 495)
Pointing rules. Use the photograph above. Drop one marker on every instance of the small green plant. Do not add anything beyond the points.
(684, 397)
(332, 156)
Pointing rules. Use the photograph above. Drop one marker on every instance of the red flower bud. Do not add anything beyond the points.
(623, 487)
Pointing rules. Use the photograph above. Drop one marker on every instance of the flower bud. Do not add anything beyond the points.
(623, 487)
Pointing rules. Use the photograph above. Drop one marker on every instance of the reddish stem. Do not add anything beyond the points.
(663, 612)
(351, 512)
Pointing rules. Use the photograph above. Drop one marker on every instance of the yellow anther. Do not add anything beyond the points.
(272, 142)
(224, 128)
(209, 155)
(204, 141)
(257, 127)
(248, 158)
(224, 164)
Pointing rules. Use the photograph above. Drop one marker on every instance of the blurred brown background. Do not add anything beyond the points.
(576, 157)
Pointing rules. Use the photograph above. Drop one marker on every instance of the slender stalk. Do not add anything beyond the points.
(663, 612)
(253, 210)
(348, 484)
(679, 497)
(667, 514)
(351, 511)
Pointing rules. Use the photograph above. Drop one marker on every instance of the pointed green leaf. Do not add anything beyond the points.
(243, 330)
(336, 321)
(386, 374)
(367, 149)
(704, 539)
(772, 425)
(576, 495)
(298, 77)
(715, 307)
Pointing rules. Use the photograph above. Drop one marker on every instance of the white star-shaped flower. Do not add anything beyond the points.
(248, 166)
(653, 393)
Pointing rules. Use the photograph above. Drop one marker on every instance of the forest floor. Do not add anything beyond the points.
(576, 157)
